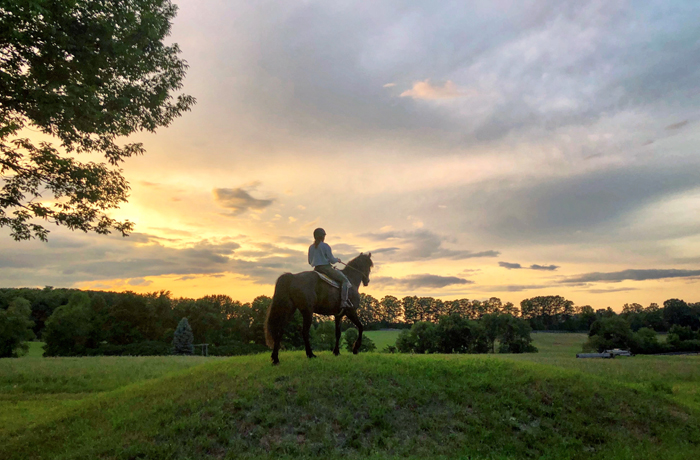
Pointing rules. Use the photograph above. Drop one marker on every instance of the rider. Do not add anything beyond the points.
(321, 258)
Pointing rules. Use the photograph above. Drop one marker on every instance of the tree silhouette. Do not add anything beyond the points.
(183, 339)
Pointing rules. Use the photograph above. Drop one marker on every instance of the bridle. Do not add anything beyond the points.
(365, 278)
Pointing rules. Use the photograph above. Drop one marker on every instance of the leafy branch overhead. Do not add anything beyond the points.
(86, 74)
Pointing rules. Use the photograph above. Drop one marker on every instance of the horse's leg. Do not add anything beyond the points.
(275, 351)
(352, 316)
(308, 317)
(338, 320)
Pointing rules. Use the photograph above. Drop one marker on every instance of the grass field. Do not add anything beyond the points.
(544, 405)
(383, 338)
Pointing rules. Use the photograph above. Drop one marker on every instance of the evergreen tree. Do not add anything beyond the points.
(183, 339)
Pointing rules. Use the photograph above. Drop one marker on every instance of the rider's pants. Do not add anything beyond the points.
(339, 277)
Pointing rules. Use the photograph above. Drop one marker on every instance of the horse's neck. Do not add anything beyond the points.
(353, 275)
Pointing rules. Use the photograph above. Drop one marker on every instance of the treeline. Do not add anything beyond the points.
(74, 322)
(636, 329)
(77, 323)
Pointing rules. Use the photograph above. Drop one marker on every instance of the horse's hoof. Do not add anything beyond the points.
(336, 353)
(311, 355)
(276, 363)
(354, 352)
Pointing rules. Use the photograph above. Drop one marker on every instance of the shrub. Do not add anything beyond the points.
(350, 338)
(145, 348)
(453, 334)
(15, 328)
(647, 342)
(323, 336)
(183, 339)
(421, 338)
(237, 349)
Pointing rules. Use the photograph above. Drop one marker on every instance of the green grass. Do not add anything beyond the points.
(544, 405)
(383, 338)
(36, 350)
(31, 388)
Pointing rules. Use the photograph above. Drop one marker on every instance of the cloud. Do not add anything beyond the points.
(139, 282)
(544, 267)
(510, 287)
(509, 266)
(558, 209)
(425, 90)
(636, 275)
(422, 244)
(606, 291)
(109, 257)
(678, 125)
(420, 281)
(239, 200)
(186, 278)
(389, 85)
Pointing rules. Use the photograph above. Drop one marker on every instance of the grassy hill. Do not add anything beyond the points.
(371, 405)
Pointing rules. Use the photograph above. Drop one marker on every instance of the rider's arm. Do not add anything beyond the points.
(311, 256)
(329, 254)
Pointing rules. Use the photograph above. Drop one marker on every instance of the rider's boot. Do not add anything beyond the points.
(344, 302)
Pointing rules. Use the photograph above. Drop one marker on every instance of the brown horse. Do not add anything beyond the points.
(308, 293)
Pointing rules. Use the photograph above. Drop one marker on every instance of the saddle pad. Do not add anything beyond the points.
(328, 280)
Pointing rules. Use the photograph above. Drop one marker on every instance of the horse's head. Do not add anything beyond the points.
(363, 263)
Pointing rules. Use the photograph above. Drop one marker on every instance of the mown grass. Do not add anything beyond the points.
(383, 338)
(545, 405)
(36, 350)
(676, 376)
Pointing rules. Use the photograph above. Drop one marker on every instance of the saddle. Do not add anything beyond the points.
(328, 280)
(335, 284)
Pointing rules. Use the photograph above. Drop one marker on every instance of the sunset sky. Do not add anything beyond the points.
(477, 149)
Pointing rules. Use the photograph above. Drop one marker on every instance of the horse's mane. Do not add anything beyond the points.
(361, 262)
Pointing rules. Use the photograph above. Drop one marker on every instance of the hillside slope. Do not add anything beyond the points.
(371, 405)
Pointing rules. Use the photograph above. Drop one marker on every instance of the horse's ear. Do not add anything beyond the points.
(369, 254)
(361, 253)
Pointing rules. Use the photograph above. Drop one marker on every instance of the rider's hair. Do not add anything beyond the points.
(319, 233)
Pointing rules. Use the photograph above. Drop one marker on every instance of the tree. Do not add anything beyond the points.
(86, 74)
(183, 339)
(610, 332)
(391, 309)
(369, 311)
(546, 312)
(457, 334)
(15, 328)
(678, 312)
(515, 336)
(70, 330)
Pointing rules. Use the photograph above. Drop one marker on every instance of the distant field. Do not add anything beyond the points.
(36, 350)
(384, 338)
(371, 405)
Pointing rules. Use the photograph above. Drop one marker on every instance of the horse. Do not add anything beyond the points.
(308, 293)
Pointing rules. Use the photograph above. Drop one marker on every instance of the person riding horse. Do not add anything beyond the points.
(321, 258)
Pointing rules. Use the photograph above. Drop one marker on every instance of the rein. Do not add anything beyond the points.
(358, 271)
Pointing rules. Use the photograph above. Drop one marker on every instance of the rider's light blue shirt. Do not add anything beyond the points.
(321, 255)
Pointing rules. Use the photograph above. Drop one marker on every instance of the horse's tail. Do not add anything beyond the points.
(279, 309)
